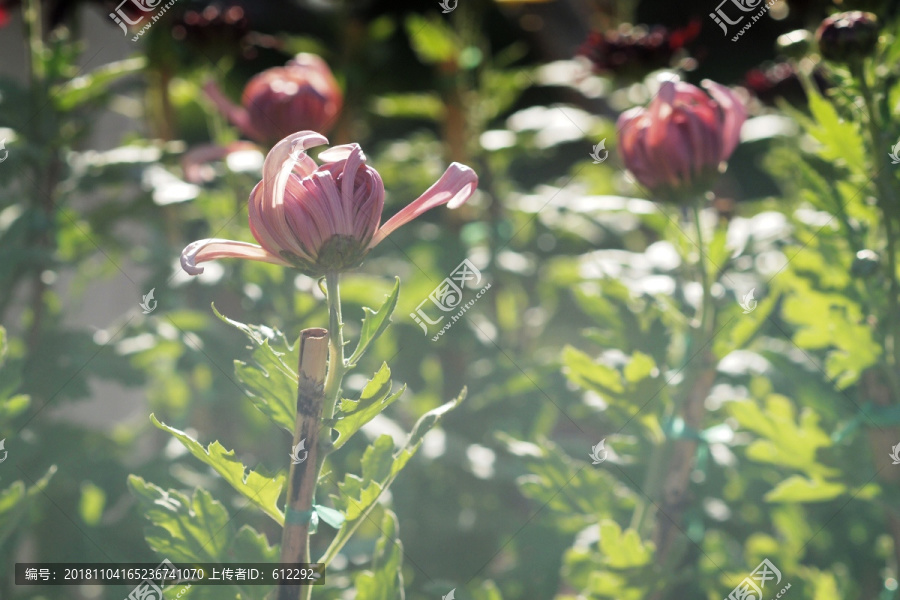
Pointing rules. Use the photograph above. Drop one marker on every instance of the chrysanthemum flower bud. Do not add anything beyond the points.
(302, 95)
(848, 36)
(677, 146)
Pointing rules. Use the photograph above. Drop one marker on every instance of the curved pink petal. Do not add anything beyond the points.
(339, 153)
(211, 249)
(454, 188)
(286, 160)
(734, 112)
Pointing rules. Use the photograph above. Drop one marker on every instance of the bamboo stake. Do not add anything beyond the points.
(303, 477)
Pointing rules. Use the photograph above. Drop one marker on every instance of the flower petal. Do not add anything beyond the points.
(211, 249)
(287, 159)
(339, 153)
(454, 188)
(734, 111)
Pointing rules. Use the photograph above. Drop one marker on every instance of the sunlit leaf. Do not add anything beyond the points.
(375, 322)
(261, 490)
(183, 528)
(801, 489)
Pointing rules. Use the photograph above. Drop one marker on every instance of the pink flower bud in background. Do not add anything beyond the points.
(323, 218)
(303, 95)
(677, 146)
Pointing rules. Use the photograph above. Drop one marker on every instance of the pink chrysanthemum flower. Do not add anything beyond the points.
(323, 218)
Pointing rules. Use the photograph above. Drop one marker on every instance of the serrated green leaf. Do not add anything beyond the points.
(252, 546)
(269, 389)
(374, 323)
(384, 581)
(743, 327)
(797, 488)
(623, 550)
(561, 483)
(15, 501)
(358, 493)
(270, 381)
(841, 140)
(786, 440)
(183, 529)
(375, 398)
(379, 469)
(582, 370)
(262, 491)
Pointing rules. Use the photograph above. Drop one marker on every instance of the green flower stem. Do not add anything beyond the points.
(337, 364)
(670, 485)
(873, 389)
(887, 202)
(705, 309)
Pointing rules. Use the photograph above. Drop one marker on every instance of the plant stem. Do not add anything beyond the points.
(698, 382)
(304, 476)
(46, 165)
(704, 272)
(874, 389)
(886, 199)
(337, 365)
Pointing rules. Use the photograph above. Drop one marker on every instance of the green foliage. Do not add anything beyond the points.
(384, 580)
(374, 323)
(15, 501)
(614, 570)
(261, 490)
(431, 39)
(410, 106)
(784, 440)
(271, 380)
(575, 493)
(380, 466)
(199, 529)
(84, 89)
(183, 528)
(376, 396)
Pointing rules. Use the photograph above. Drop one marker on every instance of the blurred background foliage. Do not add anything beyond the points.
(582, 337)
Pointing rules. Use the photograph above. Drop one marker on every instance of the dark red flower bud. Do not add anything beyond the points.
(848, 36)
